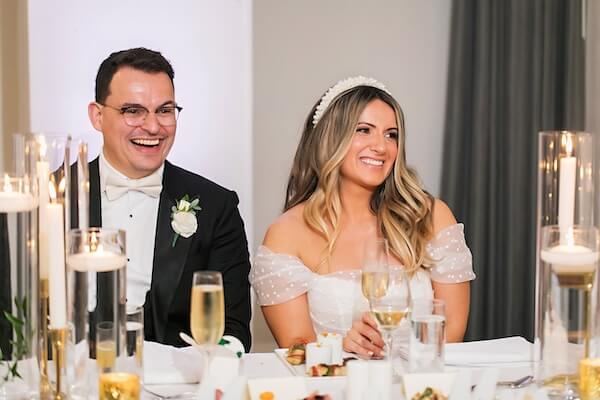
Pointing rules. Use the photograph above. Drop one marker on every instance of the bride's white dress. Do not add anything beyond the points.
(335, 299)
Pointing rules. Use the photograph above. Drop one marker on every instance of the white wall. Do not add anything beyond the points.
(299, 49)
(303, 47)
(209, 45)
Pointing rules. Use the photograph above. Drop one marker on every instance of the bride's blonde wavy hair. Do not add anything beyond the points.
(402, 206)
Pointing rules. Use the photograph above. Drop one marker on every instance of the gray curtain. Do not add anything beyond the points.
(516, 67)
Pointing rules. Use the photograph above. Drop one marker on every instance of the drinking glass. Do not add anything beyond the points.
(119, 386)
(207, 313)
(134, 342)
(375, 269)
(106, 346)
(428, 335)
(392, 308)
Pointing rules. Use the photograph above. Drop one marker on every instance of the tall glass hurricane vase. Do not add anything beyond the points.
(567, 254)
(19, 372)
(58, 181)
(96, 260)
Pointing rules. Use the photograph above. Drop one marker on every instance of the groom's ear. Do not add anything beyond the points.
(95, 115)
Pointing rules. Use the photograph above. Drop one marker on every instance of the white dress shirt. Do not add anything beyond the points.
(135, 213)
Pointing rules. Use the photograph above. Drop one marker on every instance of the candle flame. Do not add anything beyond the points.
(62, 185)
(52, 191)
(7, 187)
(567, 144)
(43, 147)
(93, 242)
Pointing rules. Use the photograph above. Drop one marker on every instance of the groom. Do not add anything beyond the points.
(133, 187)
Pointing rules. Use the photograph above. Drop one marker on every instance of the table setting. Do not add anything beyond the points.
(74, 336)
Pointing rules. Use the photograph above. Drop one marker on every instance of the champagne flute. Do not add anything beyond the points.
(375, 269)
(207, 311)
(392, 308)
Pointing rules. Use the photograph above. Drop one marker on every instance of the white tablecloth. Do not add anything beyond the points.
(268, 365)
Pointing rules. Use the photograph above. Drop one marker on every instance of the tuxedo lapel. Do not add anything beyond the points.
(169, 261)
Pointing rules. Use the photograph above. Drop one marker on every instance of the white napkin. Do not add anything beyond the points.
(506, 350)
(167, 364)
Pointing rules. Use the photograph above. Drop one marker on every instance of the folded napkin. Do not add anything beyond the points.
(506, 350)
(170, 365)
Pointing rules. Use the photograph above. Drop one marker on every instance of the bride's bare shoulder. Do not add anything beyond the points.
(287, 233)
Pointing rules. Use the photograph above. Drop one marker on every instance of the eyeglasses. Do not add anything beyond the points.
(136, 115)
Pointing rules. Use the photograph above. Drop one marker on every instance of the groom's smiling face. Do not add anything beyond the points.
(136, 151)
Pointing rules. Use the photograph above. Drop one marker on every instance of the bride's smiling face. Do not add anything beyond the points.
(374, 147)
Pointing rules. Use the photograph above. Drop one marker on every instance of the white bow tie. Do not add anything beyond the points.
(117, 186)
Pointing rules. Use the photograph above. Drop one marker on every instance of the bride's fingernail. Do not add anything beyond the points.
(370, 353)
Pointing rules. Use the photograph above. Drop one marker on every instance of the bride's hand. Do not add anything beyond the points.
(363, 338)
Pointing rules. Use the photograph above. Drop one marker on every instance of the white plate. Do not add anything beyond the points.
(300, 370)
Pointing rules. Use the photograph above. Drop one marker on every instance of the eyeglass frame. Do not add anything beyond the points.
(121, 110)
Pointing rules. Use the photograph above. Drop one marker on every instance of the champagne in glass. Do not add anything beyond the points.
(375, 274)
(391, 309)
(207, 313)
(388, 317)
(106, 346)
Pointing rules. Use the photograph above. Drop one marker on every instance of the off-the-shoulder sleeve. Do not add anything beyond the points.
(277, 278)
(453, 260)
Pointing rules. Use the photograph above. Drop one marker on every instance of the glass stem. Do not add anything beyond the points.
(388, 339)
(206, 353)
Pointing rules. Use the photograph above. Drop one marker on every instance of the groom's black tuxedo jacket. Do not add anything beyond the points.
(219, 244)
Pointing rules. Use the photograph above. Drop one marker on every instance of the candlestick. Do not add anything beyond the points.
(56, 266)
(43, 174)
(566, 189)
(59, 341)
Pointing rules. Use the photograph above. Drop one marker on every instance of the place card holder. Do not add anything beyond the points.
(567, 248)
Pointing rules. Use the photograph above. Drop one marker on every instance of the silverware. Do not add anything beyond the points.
(183, 395)
(518, 383)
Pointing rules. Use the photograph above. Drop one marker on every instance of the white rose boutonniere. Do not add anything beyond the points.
(183, 218)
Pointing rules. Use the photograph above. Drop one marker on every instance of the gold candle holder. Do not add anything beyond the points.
(58, 338)
(45, 387)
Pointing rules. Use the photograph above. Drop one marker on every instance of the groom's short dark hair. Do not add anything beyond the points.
(139, 58)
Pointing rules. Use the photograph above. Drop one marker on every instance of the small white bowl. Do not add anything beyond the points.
(417, 383)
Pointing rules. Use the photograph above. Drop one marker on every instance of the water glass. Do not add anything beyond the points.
(428, 336)
(134, 342)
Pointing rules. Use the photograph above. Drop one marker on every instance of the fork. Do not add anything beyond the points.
(517, 383)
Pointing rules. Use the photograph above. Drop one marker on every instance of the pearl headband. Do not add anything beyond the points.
(341, 87)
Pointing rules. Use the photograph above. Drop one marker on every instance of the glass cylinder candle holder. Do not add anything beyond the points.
(19, 372)
(566, 220)
(568, 264)
(96, 261)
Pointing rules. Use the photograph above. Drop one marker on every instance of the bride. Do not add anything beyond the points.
(349, 182)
